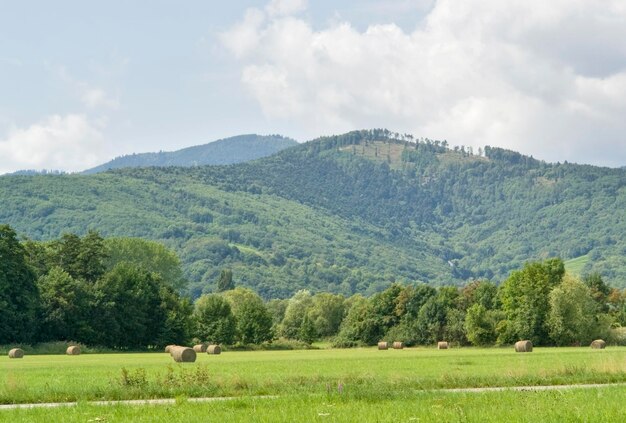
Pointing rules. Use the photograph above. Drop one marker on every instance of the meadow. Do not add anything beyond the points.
(340, 385)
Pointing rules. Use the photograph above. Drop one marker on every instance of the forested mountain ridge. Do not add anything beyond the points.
(346, 214)
(237, 149)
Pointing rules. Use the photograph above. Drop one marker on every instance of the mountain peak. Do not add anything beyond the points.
(225, 151)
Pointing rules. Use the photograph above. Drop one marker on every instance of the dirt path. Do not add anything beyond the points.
(167, 401)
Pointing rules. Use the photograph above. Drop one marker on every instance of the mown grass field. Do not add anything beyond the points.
(336, 385)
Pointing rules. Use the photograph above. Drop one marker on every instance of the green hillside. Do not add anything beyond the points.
(347, 214)
(237, 149)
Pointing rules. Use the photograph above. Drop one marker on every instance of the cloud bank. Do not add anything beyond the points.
(544, 78)
(71, 143)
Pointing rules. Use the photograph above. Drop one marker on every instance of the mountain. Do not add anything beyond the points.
(348, 214)
(237, 149)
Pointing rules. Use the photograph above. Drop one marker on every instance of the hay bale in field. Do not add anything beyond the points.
(16, 353)
(168, 349)
(200, 348)
(442, 345)
(398, 345)
(524, 346)
(598, 344)
(214, 350)
(183, 354)
(383, 345)
(73, 350)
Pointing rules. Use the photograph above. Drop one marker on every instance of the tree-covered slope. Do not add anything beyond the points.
(345, 214)
(237, 149)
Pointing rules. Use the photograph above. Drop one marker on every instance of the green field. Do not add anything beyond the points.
(336, 385)
(576, 265)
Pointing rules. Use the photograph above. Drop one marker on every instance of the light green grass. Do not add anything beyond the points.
(308, 372)
(589, 405)
(576, 265)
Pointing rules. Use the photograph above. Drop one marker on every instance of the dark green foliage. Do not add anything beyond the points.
(225, 282)
(64, 307)
(19, 296)
(81, 258)
(128, 304)
(179, 325)
(215, 322)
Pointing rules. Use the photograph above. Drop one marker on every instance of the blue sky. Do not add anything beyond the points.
(83, 82)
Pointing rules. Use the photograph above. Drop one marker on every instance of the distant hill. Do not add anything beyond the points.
(33, 172)
(348, 214)
(232, 150)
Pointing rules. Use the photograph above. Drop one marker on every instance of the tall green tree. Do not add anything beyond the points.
(215, 321)
(573, 313)
(299, 306)
(129, 307)
(64, 308)
(361, 325)
(19, 296)
(327, 312)
(525, 301)
(480, 325)
(225, 281)
(179, 325)
(254, 322)
(91, 257)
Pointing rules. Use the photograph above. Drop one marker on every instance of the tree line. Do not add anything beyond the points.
(125, 293)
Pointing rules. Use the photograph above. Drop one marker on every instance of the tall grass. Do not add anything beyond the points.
(361, 372)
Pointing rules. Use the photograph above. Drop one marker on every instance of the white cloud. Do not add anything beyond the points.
(96, 97)
(70, 143)
(545, 78)
(285, 7)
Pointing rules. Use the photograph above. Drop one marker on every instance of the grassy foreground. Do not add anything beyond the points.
(360, 372)
(589, 405)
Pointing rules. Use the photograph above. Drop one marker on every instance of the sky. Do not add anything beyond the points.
(84, 82)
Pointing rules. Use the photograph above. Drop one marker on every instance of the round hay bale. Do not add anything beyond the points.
(16, 353)
(383, 345)
(598, 344)
(200, 348)
(524, 346)
(214, 349)
(168, 349)
(183, 354)
(73, 350)
(398, 345)
(442, 345)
